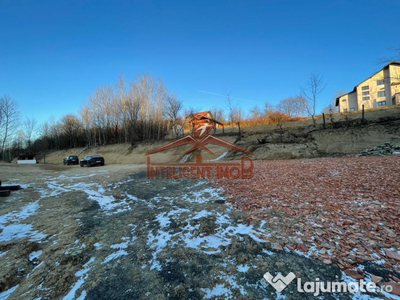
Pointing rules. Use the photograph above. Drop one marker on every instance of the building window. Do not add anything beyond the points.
(352, 109)
(366, 98)
(365, 93)
(344, 100)
(381, 94)
(381, 103)
(380, 82)
(345, 110)
(365, 87)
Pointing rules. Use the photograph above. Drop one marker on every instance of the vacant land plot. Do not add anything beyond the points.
(111, 233)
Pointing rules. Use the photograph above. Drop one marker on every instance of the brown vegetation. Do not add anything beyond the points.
(338, 210)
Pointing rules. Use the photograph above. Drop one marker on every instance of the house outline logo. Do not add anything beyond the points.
(202, 123)
(279, 282)
(199, 136)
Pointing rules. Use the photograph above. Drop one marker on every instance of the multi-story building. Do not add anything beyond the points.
(380, 89)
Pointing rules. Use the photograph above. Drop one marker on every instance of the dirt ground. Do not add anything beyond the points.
(111, 233)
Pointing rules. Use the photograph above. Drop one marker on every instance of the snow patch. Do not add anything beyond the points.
(4, 295)
(219, 157)
(34, 255)
(82, 274)
(114, 255)
(119, 246)
(16, 231)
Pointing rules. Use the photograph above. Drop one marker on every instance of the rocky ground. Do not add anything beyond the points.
(111, 233)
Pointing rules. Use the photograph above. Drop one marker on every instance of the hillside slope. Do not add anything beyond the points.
(126, 154)
(339, 138)
(345, 135)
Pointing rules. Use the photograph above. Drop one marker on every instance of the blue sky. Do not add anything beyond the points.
(54, 54)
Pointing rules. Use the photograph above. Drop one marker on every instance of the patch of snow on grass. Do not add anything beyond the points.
(163, 219)
(202, 197)
(185, 158)
(157, 243)
(82, 274)
(219, 157)
(119, 246)
(279, 296)
(35, 254)
(24, 212)
(4, 295)
(106, 202)
(189, 236)
(217, 290)
(115, 255)
(242, 268)
(16, 231)
(203, 213)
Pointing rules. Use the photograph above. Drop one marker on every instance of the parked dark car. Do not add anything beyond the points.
(71, 160)
(92, 160)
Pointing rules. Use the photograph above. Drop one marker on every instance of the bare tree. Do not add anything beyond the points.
(396, 56)
(29, 125)
(87, 125)
(329, 109)
(43, 141)
(314, 86)
(191, 110)
(268, 109)
(20, 137)
(132, 108)
(255, 112)
(122, 106)
(232, 108)
(1, 113)
(9, 118)
(124, 113)
(238, 114)
(70, 127)
(218, 114)
(171, 112)
(256, 116)
(291, 106)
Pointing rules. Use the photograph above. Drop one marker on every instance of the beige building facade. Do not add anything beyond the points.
(380, 89)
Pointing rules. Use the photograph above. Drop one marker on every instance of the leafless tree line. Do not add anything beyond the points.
(9, 121)
(129, 112)
(142, 109)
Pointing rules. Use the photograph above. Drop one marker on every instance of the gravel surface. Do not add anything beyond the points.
(342, 211)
